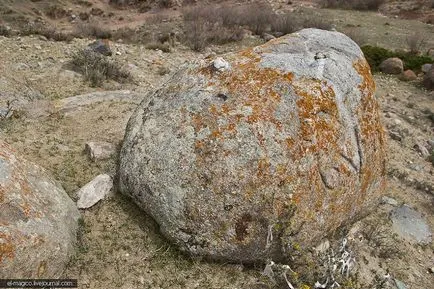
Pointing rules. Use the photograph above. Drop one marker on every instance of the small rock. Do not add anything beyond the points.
(42, 37)
(408, 75)
(410, 225)
(94, 191)
(267, 37)
(392, 66)
(426, 67)
(220, 64)
(118, 53)
(101, 46)
(99, 150)
(389, 201)
(395, 135)
(421, 149)
(431, 270)
(399, 284)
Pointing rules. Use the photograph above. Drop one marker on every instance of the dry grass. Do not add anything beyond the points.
(353, 4)
(47, 31)
(416, 42)
(204, 25)
(97, 68)
(93, 30)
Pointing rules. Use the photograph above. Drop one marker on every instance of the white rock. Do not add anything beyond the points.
(99, 150)
(94, 191)
(389, 201)
(220, 64)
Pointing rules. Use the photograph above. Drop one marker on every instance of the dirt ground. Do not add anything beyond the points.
(120, 246)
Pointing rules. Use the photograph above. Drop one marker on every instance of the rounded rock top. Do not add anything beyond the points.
(261, 159)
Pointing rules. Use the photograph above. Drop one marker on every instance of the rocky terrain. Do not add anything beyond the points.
(53, 113)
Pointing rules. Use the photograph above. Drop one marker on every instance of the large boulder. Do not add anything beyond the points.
(392, 65)
(428, 79)
(257, 158)
(38, 221)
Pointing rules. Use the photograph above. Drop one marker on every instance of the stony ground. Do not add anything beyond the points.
(119, 246)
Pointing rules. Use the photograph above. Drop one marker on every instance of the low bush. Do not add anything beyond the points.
(416, 42)
(375, 55)
(97, 68)
(93, 30)
(46, 31)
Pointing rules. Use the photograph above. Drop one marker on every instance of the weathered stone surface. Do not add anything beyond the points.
(272, 154)
(426, 67)
(428, 80)
(392, 66)
(411, 225)
(94, 191)
(99, 150)
(38, 220)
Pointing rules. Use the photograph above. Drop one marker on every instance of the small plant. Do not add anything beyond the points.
(97, 68)
(55, 12)
(46, 31)
(356, 35)
(93, 30)
(285, 23)
(416, 42)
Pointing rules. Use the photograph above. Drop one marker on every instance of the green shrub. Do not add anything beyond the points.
(375, 55)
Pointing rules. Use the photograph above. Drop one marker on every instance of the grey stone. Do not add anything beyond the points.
(426, 67)
(101, 47)
(428, 80)
(389, 201)
(220, 64)
(399, 284)
(267, 37)
(94, 191)
(279, 150)
(392, 66)
(99, 150)
(75, 103)
(410, 225)
(38, 220)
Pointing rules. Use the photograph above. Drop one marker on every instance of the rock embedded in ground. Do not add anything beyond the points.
(410, 225)
(94, 191)
(408, 75)
(426, 67)
(392, 66)
(99, 150)
(38, 220)
(261, 159)
(101, 46)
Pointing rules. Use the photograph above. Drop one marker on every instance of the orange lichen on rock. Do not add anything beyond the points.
(7, 248)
